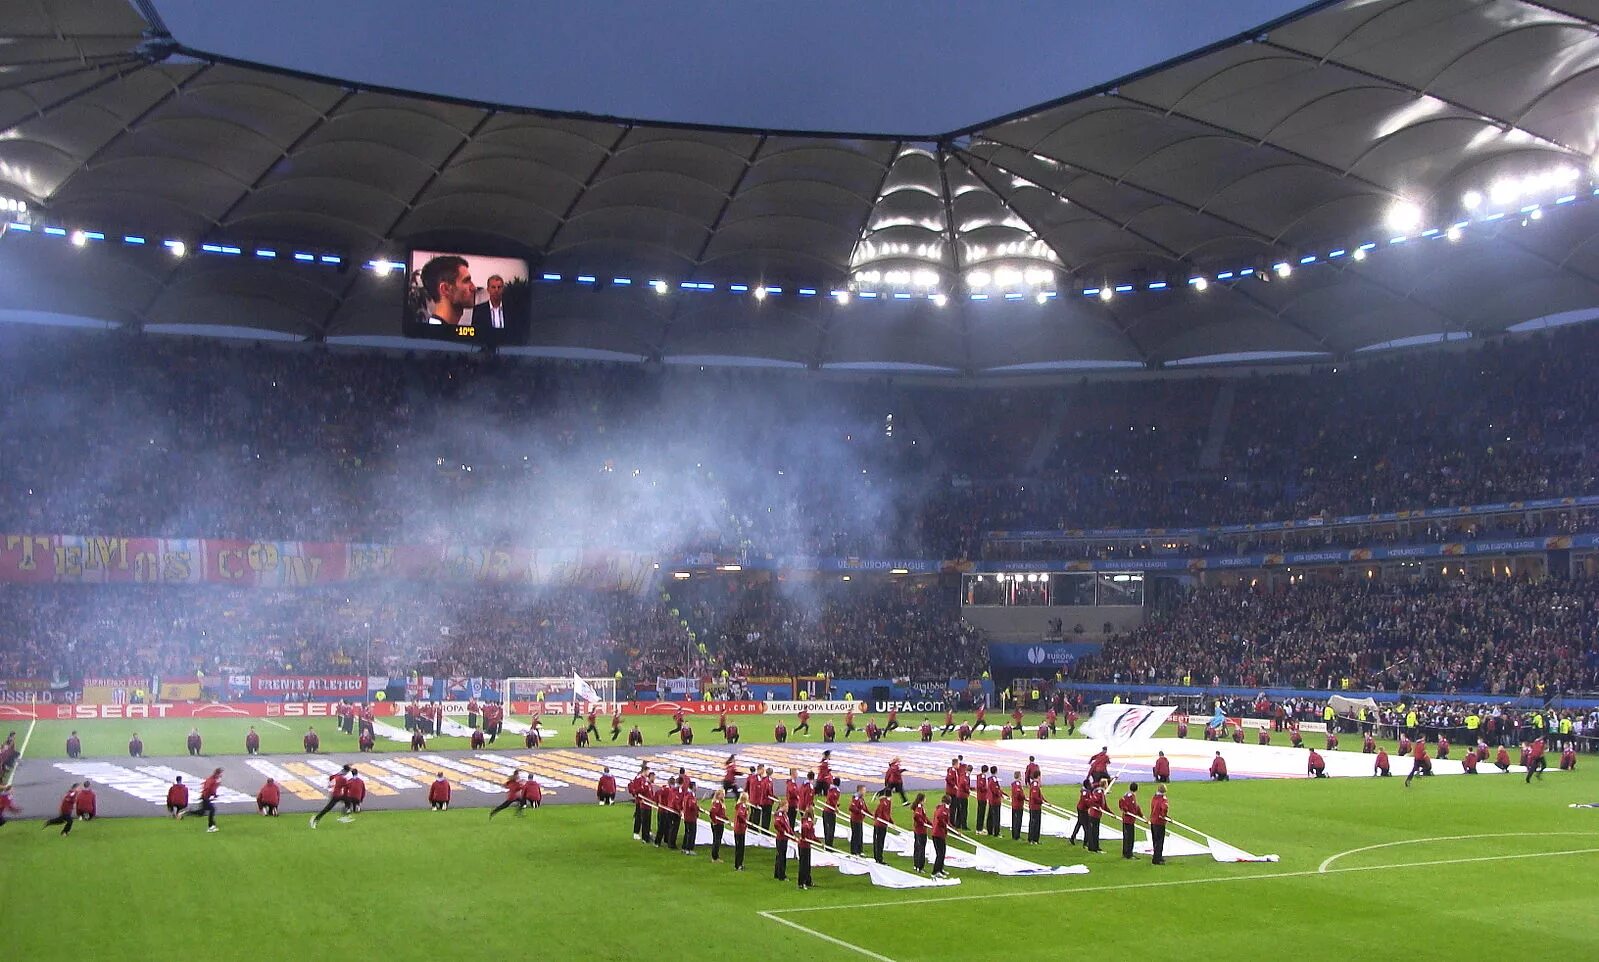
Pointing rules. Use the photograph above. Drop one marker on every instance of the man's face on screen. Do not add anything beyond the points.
(462, 293)
(496, 289)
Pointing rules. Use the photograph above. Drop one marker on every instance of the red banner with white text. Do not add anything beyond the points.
(294, 709)
(100, 559)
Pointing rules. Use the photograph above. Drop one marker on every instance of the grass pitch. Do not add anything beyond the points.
(1460, 863)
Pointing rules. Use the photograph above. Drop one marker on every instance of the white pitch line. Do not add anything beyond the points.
(825, 937)
(275, 724)
(1327, 862)
(24, 749)
(1176, 882)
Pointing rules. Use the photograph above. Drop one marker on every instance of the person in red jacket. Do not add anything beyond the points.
(894, 779)
(996, 797)
(354, 796)
(645, 798)
(963, 796)
(177, 798)
(873, 733)
(830, 802)
(963, 733)
(616, 723)
(980, 723)
(1032, 773)
(1035, 811)
(882, 818)
(477, 741)
(209, 790)
(730, 735)
(1468, 763)
(1218, 769)
(336, 784)
(194, 742)
(1162, 768)
(1159, 815)
(1368, 744)
(1017, 794)
(677, 723)
(67, 812)
(513, 794)
(949, 722)
(1420, 764)
(804, 722)
(6, 804)
(252, 742)
(533, 793)
(926, 731)
(806, 838)
(605, 788)
(849, 721)
(581, 738)
(1381, 769)
(1016, 716)
(1099, 764)
(1128, 805)
(780, 733)
(718, 816)
(1081, 825)
(939, 833)
(268, 798)
(857, 820)
(1568, 758)
(1263, 737)
(1536, 763)
(741, 824)
(920, 823)
(1096, 811)
(690, 813)
(1443, 747)
(135, 746)
(312, 743)
(635, 738)
(1316, 766)
(1502, 760)
(86, 802)
(829, 733)
(686, 735)
(439, 794)
(365, 741)
(781, 833)
(418, 742)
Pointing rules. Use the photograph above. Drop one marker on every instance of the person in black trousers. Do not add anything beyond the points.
(781, 833)
(741, 821)
(68, 811)
(807, 838)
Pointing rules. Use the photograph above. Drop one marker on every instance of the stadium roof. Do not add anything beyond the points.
(1298, 141)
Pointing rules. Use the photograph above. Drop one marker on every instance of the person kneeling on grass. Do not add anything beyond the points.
(267, 799)
(439, 794)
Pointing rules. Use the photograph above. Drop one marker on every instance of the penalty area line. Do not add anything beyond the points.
(825, 937)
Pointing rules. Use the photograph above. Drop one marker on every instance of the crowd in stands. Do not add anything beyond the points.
(1503, 637)
(184, 437)
(855, 629)
(751, 628)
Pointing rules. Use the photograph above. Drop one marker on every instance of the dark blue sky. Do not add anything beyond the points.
(867, 65)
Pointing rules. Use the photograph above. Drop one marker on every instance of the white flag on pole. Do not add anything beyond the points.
(1114, 725)
(583, 691)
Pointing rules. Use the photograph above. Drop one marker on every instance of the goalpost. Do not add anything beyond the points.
(558, 694)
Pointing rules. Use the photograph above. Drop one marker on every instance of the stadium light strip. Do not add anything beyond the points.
(29, 224)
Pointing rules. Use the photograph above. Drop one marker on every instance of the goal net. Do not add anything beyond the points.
(558, 693)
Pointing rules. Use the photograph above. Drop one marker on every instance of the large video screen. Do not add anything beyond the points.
(466, 297)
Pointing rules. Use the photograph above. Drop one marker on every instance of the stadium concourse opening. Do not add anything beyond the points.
(1202, 466)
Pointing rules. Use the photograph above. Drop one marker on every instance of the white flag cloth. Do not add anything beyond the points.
(993, 860)
(884, 876)
(583, 691)
(1114, 725)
